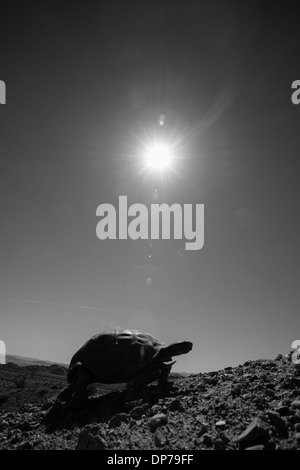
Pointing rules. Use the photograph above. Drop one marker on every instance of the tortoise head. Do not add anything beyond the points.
(174, 349)
(183, 347)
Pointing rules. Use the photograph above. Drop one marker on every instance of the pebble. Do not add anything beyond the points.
(283, 410)
(37, 441)
(297, 427)
(25, 445)
(115, 421)
(220, 424)
(137, 412)
(219, 444)
(159, 438)
(87, 441)
(279, 357)
(158, 420)
(276, 420)
(15, 439)
(206, 440)
(257, 431)
(258, 447)
(176, 405)
(3, 425)
(198, 400)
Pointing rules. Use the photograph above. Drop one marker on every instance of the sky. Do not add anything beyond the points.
(87, 84)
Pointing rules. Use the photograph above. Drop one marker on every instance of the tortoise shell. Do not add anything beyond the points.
(116, 356)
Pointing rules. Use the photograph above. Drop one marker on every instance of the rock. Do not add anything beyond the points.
(212, 380)
(3, 425)
(26, 407)
(45, 406)
(219, 444)
(220, 424)
(206, 440)
(158, 420)
(266, 364)
(236, 390)
(176, 405)
(115, 421)
(213, 373)
(296, 403)
(277, 421)
(202, 426)
(15, 439)
(287, 384)
(256, 433)
(132, 404)
(297, 427)
(25, 445)
(283, 410)
(278, 357)
(87, 441)
(93, 428)
(247, 363)
(159, 438)
(137, 412)
(298, 437)
(257, 447)
(37, 441)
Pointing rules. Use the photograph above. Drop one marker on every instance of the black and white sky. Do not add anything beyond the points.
(86, 83)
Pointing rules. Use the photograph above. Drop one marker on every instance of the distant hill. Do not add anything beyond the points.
(29, 361)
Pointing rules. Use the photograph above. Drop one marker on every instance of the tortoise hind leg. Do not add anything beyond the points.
(66, 394)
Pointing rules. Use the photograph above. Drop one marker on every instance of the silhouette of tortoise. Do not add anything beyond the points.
(120, 356)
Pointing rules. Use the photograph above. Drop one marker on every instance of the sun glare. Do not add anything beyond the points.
(158, 156)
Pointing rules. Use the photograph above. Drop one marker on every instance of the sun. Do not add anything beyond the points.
(158, 156)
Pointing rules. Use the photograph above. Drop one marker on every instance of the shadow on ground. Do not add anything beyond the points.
(95, 410)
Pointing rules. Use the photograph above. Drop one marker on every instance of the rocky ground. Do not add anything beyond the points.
(253, 406)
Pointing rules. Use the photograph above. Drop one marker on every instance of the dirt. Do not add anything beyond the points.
(253, 406)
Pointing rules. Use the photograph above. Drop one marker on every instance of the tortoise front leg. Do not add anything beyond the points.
(163, 376)
(79, 382)
(147, 375)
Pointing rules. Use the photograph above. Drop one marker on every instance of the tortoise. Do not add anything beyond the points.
(120, 356)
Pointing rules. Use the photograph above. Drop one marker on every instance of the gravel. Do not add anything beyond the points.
(255, 406)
